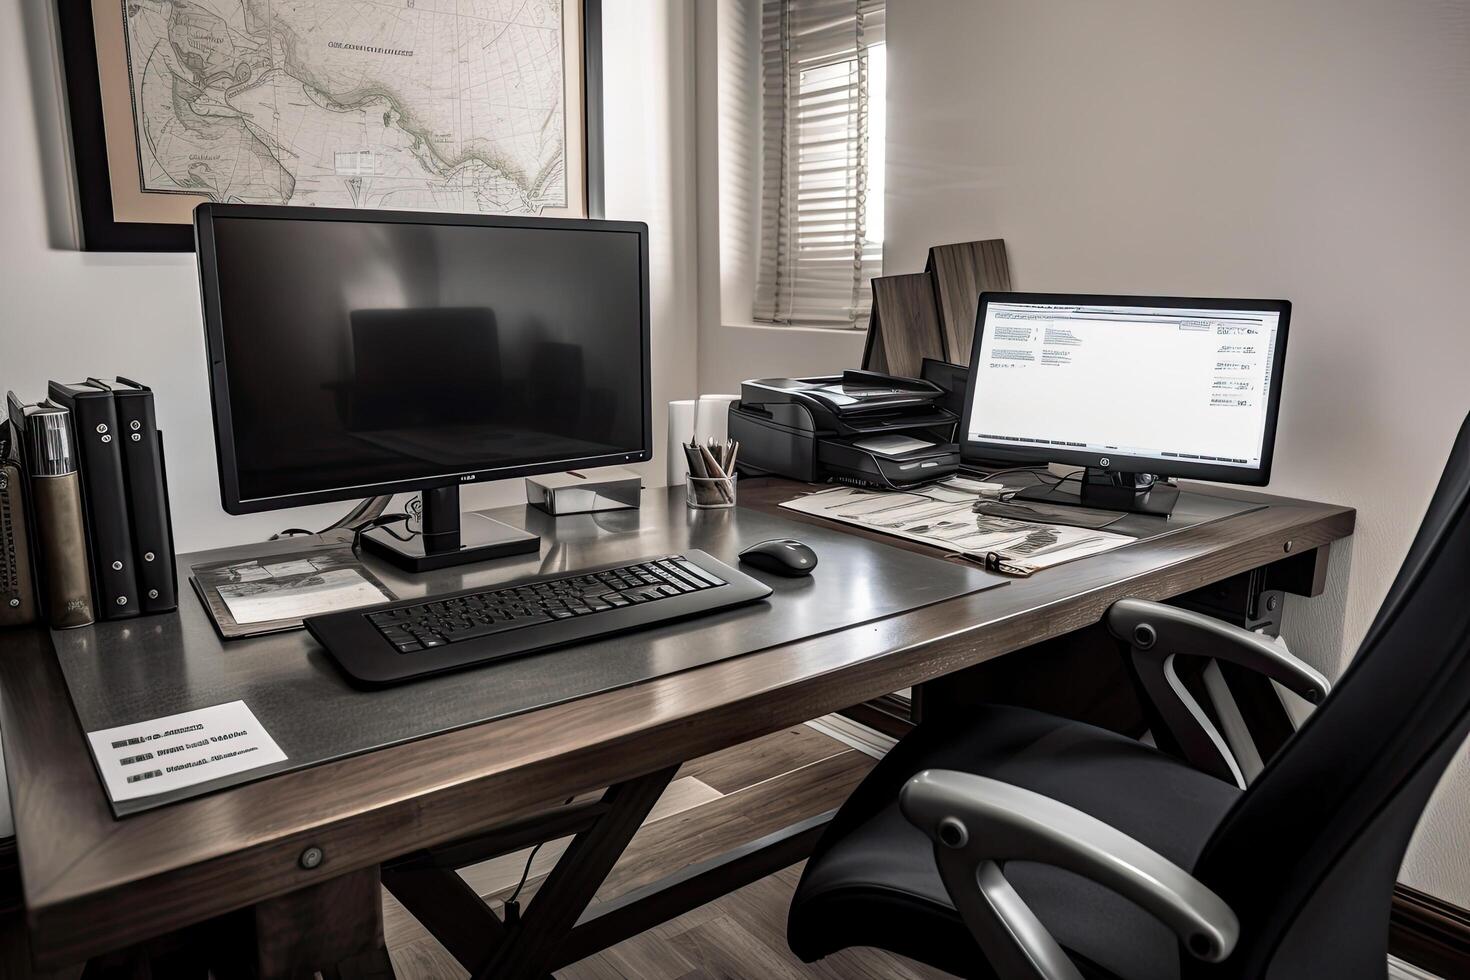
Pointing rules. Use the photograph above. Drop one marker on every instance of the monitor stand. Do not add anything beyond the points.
(1131, 493)
(447, 538)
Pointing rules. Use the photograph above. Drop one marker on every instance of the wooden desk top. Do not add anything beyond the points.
(93, 883)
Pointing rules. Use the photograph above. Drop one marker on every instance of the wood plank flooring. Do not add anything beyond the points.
(715, 803)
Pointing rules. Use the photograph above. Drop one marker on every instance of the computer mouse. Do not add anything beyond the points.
(781, 556)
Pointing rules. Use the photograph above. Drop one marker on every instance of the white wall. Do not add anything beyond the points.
(732, 347)
(1317, 150)
(66, 314)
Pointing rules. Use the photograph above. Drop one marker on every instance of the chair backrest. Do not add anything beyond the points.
(1309, 855)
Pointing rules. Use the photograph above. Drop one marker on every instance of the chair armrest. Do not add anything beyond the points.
(1149, 626)
(977, 824)
(1158, 633)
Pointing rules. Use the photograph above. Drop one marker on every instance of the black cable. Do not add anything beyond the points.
(1042, 477)
(382, 521)
(525, 873)
(512, 907)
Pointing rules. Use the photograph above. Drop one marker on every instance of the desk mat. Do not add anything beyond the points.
(124, 672)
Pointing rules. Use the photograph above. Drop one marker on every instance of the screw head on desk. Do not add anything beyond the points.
(1144, 636)
(311, 858)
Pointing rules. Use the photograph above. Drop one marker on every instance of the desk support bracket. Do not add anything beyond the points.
(530, 948)
(429, 887)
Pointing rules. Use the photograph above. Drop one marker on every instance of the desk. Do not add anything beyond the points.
(94, 884)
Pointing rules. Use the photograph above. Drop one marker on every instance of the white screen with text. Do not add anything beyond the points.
(1191, 385)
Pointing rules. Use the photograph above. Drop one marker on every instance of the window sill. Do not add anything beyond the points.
(788, 328)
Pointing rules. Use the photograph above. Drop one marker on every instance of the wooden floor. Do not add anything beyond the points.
(716, 803)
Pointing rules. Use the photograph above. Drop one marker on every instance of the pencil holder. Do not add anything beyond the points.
(710, 493)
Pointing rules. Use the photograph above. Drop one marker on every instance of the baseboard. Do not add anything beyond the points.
(1429, 932)
(866, 740)
(888, 714)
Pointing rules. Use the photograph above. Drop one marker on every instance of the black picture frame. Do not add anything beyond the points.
(100, 233)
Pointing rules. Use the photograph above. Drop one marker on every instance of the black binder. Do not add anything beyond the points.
(17, 574)
(147, 487)
(104, 497)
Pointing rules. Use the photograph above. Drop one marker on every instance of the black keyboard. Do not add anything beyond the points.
(399, 641)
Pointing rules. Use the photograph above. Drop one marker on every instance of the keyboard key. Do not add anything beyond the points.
(471, 632)
(690, 568)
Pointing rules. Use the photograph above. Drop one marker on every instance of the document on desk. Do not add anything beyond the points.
(151, 757)
(247, 597)
(941, 515)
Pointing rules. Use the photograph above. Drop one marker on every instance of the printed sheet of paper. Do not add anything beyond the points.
(941, 515)
(191, 747)
(312, 593)
(249, 596)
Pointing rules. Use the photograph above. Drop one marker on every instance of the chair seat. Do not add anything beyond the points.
(872, 880)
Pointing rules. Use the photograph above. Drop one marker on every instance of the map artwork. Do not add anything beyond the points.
(445, 105)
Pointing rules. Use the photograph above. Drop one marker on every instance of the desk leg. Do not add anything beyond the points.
(334, 928)
(530, 947)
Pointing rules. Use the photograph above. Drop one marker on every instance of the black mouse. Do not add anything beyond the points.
(781, 556)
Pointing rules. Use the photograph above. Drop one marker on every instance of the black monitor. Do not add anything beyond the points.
(358, 353)
(1134, 388)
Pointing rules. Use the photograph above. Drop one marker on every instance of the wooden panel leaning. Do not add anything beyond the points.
(961, 272)
(904, 326)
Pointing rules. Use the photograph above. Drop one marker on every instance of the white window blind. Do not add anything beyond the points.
(818, 251)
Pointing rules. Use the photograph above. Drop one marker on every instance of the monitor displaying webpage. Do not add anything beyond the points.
(1190, 385)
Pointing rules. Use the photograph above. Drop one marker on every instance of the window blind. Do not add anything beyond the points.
(816, 258)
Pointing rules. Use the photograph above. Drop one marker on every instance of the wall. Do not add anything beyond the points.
(732, 347)
(67, 314)
(1314, 150)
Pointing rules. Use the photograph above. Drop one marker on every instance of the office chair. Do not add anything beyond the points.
(1017, 844)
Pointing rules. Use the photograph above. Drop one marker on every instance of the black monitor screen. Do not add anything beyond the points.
(360, 353)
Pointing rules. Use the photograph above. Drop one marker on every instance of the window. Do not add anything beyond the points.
(824, 69)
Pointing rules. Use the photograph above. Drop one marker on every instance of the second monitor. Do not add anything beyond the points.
(1133, 388)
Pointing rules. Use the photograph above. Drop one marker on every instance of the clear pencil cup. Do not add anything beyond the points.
(710, 493)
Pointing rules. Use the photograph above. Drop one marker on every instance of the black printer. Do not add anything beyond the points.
(861, 427)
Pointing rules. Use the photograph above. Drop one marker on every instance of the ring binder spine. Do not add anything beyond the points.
(104, 497)
(17, 578)
(147, 496)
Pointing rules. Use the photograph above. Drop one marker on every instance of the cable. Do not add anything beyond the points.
(1042, 476)
(512, 907)
(1033, 468)
(525, 873)
(382, 521)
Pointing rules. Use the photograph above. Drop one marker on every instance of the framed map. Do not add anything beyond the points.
(478, 106)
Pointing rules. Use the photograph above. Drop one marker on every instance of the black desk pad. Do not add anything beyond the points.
(124, 672)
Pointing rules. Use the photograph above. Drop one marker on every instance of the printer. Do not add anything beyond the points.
(860, 427)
